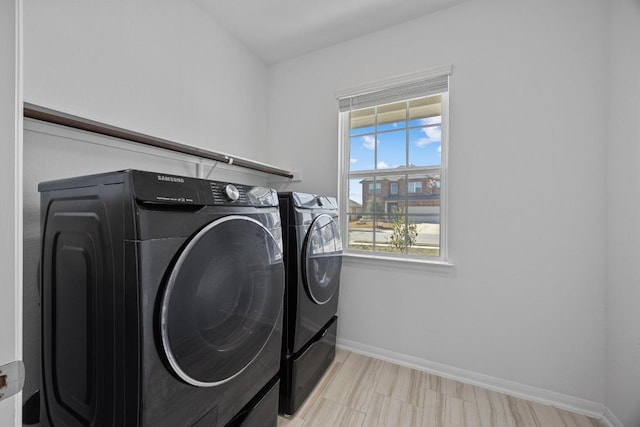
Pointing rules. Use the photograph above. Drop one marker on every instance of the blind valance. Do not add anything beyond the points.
(407, 87)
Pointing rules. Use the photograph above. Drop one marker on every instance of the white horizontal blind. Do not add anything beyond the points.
(415, 89)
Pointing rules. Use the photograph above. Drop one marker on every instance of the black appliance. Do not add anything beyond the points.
(313, 260)
(161, 302)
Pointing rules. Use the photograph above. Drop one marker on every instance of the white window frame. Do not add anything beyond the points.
(344, 164)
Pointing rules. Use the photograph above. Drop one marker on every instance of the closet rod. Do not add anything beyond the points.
(32, 111)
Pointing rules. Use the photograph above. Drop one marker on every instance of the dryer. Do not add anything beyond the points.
(161, 301)
(313, 262)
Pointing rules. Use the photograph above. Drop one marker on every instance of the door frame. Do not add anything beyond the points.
(11, 123)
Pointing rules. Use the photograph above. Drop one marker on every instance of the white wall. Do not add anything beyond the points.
(163, 68)
(525, 300)
(623, 179)
(10, 230)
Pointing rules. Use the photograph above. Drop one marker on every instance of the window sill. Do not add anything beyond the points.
(381, 259)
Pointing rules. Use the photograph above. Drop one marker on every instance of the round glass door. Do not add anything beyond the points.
(322, 259)
(222, 301)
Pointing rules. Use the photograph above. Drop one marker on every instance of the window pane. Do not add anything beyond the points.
(362, 153)
(395, 202)
(366, 218)
(392, 149)
(423, 108)
(425, 136)
(363, 121)
(381, 230)
(360, 233)
(425, 146)
(392, 116)
(386, 234)
(390, 234)
(373, 192)
(427, 234)
(355, 197)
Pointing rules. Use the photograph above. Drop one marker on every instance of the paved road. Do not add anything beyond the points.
(426, 235)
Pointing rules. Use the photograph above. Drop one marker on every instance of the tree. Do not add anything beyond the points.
(403, 235)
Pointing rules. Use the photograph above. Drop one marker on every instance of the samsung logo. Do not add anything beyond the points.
(170, 178)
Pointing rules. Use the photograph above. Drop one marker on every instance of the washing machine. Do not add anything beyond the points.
(313, 261)
(162, 300)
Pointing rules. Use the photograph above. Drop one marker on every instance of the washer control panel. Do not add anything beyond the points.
(224, 194)
(162, 189)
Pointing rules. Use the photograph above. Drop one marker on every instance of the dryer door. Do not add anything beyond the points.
(322, 259)
(223, 301)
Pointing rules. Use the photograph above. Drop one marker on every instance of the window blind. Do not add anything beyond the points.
(410, 90)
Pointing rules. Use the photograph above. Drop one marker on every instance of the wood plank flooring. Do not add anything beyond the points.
(359, 391)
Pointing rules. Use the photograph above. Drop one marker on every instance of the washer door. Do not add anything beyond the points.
(223, 300)
(322, 259)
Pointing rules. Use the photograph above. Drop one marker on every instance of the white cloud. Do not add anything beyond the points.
(440, 149)
(369, 142)
(353, 161)
(382, 165)
(423, 141)
(431, 134)
(430, 120)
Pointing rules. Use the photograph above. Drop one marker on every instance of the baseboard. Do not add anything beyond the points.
(609, 419)
(523, 391)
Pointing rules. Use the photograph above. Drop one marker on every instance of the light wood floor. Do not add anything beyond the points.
(358, 391)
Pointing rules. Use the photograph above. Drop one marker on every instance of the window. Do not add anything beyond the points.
(393, 171)
(375, 188)
(415, 187)
(393, 188)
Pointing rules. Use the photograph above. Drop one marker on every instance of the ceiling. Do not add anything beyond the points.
(276, 30)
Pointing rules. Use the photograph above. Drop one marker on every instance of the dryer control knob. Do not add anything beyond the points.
(319, 201)
(231, 192)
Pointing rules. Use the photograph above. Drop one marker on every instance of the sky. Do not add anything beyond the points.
(424, 148)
